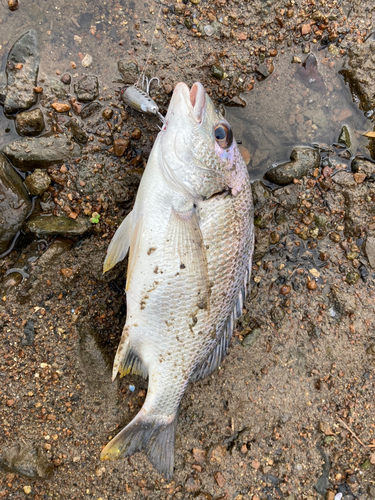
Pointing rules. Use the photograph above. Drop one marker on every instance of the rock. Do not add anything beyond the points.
(322, 484)
(87, 61)
(344, 179)
(29, 460)
(352, 277)
(252, 337)
(192, 485)
(40, 152)
(66, 79)
(38, 182)
(50, 224)
(217, 72)
(303, 159)
(21, 82)
(261, 194)
(136, 134)
(348, 138)
(220, 479)
(90, 109)
(87, 89)
(120, 146)
(15, 203)
(30, 123)
(58, 88)
(359, 72)
(262, 244)
(263, 70)
(361, 165)
(61, 107)
(12, 5)
(107, 113)
(129, 70)
(28, 333)
(77, 131)
(370, 250)
(277, 314)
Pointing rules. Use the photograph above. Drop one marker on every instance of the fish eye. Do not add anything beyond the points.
(223, 135)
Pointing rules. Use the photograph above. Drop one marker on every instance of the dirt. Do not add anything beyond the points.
(290, 413)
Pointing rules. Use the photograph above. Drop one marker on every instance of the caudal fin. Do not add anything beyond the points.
(155, 438)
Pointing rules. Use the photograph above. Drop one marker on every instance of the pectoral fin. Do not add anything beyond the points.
(184, 238)
(119, 246)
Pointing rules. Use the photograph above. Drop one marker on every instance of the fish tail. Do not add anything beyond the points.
(146, 433)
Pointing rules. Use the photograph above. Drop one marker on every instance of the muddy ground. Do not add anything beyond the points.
(290, 413)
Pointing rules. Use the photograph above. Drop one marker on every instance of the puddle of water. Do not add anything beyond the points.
(287, 110)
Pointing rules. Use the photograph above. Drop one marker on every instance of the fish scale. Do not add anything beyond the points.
(191, 240)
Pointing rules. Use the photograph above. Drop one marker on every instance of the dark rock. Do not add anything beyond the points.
(90, 109)
(28, 333)
(288, 197)
(107, 113)
(303, 159)
(261, 194)
(30, 123)
(352, 277)
(262, 244)
(57, 87)
(66, 78)
(50, 225)
(235, 101)
(29, 460)
(129, 70)
(21, 82)
(359, 73)
(87, 89)
(323, 482)
(348, 138)
(263, 71)
(217, 72)
(40, 152)
(15, 203)
(277, 314)
(77, 131)
(38, 182)
(252, 337)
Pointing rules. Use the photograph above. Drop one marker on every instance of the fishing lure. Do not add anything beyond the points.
(139, 98)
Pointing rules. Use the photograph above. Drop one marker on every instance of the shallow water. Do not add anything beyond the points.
(286, 110)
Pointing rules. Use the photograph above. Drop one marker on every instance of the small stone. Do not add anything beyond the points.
(179, 8)
(28, 333)
(324, 256)
(351, 255)
(273, 52)
(303, 159)
(61, 107)
(255, 464)
(218, 454)
(245, 154)
(90, 109)
(87, 89)
(38, 182)
(129, 70)
(120, 146)
(352, 277)
(27, 489)
(38, 90)
(77, 131)
(220, 479)
(107, 113)
(305, 29)
(251, 337)
(217, 72)
(136, 134)
(30, 123)
(330, 495)
(285, 289)
(296, 60)
(359, 177)
(199, 455)
(335, 237)
(277, 314)
(320, 220)
(87, 61)
(67, 272)
(312, 285)
(66, 78)
(192, 485)
(274, 238)
(10, 402)
(13, 5)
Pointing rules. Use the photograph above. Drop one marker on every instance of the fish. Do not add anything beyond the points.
(190, 238)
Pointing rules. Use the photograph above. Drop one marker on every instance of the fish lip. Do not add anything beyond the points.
(194, 99)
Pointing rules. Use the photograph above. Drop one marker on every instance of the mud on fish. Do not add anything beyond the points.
(190, 242)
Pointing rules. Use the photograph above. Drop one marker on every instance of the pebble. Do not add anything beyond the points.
(296, 60)
(352, 277)
(217, 72)
(27, 489)
(38, 90)
(107, 113)
(312, 285)
(274, 238)
(120, 146)
(61, 107)
(220, 479)
(87, 61)
(129, 70)
(13, 5)
(136, 134)
(66, 78)
(87, 89)
(30, 123)
(38, 182)
(245, 154)
(285, 289)
(335, 237)
(370, 250)
(28, 335)
(199, 455)
(192, 485)
(303, 160)
(277, 314)
(359, 177)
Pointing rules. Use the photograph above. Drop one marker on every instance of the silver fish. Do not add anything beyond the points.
(190, 236)
(139, 98)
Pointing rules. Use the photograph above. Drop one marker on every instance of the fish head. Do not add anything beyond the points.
(199, 156)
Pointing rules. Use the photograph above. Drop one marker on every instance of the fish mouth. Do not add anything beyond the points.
(194, 99)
